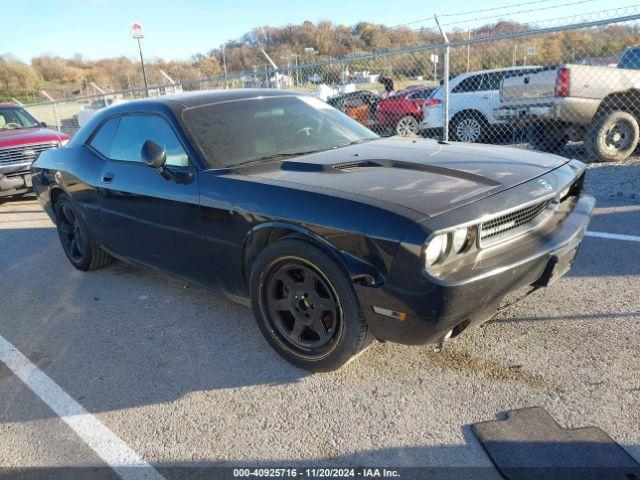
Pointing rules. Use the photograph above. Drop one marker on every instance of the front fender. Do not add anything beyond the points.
(359, 270)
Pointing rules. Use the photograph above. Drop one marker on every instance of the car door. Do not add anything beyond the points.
(465, 95)
(144, 216)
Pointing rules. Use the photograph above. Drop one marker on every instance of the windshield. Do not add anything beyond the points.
(15, 117)
(242, 131)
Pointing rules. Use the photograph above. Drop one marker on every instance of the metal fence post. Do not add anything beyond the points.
(55, 108)
(445, 84)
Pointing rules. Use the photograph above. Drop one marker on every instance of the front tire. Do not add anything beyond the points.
(612, 137)
(306, 307)
(77, 242)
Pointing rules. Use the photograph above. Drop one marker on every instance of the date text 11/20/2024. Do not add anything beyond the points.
(316, 472)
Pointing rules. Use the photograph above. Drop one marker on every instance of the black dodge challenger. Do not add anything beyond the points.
(334, 235)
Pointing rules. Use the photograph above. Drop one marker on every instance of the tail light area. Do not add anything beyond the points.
(431, 102)
(563, 82)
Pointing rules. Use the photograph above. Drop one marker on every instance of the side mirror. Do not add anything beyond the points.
(43, 124)
(153, 155)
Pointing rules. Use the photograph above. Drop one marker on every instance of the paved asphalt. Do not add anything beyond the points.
(184, 377)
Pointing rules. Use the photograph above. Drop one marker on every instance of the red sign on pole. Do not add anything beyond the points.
(136, 30)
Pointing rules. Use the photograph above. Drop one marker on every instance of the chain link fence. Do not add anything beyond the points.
(567, 86)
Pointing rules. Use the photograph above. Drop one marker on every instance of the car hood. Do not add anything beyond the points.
(426, 176)
(27, 136)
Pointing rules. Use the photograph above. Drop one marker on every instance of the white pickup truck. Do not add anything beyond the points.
(599, 105)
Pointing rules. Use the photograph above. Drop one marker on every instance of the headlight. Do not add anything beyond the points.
(460, 239)
(64, 142)
(436, 249)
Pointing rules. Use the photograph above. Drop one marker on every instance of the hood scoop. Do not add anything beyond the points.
(293, 166)
(354, 166)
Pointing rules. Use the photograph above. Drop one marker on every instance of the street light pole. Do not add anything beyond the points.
(144, 73)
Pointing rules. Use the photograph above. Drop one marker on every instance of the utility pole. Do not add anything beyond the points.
(445, 86)
(136, 32)
(224, 64)
(468, 49)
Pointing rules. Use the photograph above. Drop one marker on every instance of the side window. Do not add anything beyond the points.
(630, 59)
(492, 81)
(419, 94)
(469, 84)
(103, 138)
(134, 130)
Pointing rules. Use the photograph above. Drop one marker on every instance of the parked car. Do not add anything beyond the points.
(22, 139)
(360, 105)
(578, 102)
(473, 98)
(401, 113)
(88, 111)
(334, 235)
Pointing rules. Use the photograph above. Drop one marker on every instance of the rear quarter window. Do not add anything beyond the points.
(103, 138)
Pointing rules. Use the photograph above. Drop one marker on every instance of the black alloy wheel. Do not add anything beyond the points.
(302, 308)
(70, 234)
(77, 242)
(305, 305)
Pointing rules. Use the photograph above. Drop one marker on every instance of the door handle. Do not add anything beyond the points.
(107, 177)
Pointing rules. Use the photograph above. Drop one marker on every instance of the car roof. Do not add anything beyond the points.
(181, 101)
(494, 70)
(9, 105)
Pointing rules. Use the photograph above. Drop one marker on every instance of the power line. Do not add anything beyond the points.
(518, 12)
(471, 12)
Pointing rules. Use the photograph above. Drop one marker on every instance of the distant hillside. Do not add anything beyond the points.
(309, 42)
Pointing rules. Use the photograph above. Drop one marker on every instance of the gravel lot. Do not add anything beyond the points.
(184, 377)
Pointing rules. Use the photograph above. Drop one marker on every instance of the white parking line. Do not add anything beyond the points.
(109, 447)
(613, 236)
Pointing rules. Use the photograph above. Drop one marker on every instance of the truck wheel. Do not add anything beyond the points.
(77, 242)
(306, 307)
(546, 137)
(612, 137)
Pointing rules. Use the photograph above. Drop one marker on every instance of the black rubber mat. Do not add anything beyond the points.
(530, 445)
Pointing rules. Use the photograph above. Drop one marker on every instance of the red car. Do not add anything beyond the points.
(22, 139)
(401, 113)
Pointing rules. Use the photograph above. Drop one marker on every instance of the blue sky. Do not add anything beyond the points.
(177, 29)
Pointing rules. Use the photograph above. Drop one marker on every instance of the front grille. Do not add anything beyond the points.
(511, 224)
(19, 173)
(24, 153)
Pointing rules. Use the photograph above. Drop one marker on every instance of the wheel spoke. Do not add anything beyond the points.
(282, 305)
(65, 228)
(284, 277)
(309, 282)
(68, 215)
(318, 327)
(73, 248)
(296, 331)
(326, 305)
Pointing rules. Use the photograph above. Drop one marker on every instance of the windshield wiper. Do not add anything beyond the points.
(354, 142)
(273, 156)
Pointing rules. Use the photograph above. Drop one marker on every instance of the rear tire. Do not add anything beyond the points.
(469, 127)
(548, 138)
(407, 126)
(77, 242)
(612, 137)
(306, 307)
